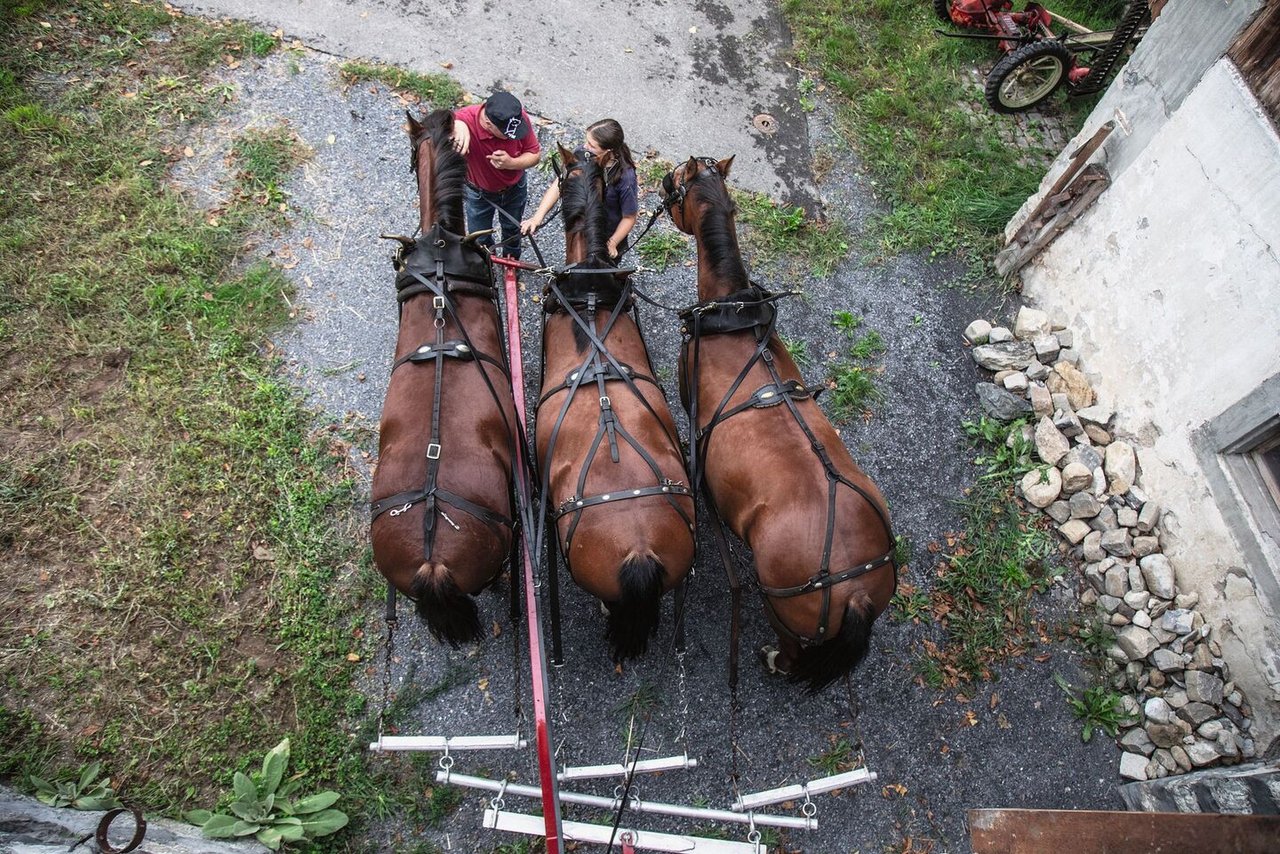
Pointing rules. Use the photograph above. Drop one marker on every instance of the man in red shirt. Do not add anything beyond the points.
(499, 143)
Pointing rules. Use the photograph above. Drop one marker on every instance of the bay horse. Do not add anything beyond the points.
(442, 510)
(612, 473)
(775, 469)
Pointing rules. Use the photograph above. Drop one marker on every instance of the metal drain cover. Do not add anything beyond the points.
(765, 123)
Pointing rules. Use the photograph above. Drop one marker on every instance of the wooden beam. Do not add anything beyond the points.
(1015, 831)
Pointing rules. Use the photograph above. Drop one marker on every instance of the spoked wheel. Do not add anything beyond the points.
(943, 9)
(1026, 76)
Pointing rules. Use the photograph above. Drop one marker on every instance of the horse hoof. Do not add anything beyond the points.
(769, 658)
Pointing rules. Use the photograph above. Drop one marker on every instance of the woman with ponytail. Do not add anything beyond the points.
(606, 143)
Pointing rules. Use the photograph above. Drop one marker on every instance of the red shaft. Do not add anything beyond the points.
(538, 662)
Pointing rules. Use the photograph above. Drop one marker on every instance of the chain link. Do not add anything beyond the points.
(386, 677)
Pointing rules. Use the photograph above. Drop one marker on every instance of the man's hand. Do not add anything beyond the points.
(530, 225)
(502, 160)
(461, 137)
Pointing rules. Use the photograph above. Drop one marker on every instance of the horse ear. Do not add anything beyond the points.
(567, 157)
(723, 166)
(415, 126)
(691, 167)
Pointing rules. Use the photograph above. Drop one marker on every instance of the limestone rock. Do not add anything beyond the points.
(999, 335)
(1083, 506)
(1041, 400)
(1047, 348)
(1092, 547)
(1121, 465)
(1142, 546)
(1126, 517)
(1086, 456)
(1158, 573)
(1067, 422)
(1149, 517)
(1030, 323)
(1137, 599)
(1051, 444)
(1136, 741)
(1136, 642)
(1066, 338)
(1067, 378)
(1178, 621)
(1133, 766)
(1117, 543)
(1097, 435)
(1074, 530)
(1007, 355)
(1016, 382)
(1037, 371)
(1164, 735)
(1116, 582)
(1197, 713)
(1096, 414)
(977, 332)
(1076, 477)
(1042, 486)
(1166, 661)
(1059, 511)
(1203, 687)
(1201, 752)
(1000, 404)
(1157, 711)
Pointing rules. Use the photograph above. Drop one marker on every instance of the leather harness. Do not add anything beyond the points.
(583, 293)
(443, 265)
(754, 308)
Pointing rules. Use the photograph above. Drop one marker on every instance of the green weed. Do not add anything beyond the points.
(854, 392)
(438, 90)
(798, 349)
(775, 231)
(837, 759)
(265, 157)
(1096, 707)
(659, 248)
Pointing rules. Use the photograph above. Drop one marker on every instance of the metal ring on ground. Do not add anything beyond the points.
(139, 830)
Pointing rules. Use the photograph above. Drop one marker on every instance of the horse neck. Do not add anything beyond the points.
(575, 247)
(426, 179)
(721, 270)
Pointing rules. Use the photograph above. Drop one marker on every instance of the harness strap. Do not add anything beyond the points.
(768, 396)
(667, 487)
(402, 501)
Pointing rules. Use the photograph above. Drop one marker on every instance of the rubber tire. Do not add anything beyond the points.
(942, 8)
(1051, 53)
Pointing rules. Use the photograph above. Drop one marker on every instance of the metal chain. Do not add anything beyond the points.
(386, 676)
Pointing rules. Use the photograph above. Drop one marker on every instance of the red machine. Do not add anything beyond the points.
(1036, 62)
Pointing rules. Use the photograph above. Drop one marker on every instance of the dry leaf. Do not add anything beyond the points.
(446, 64)
(970, 719)
(263, 553)
(352, 656)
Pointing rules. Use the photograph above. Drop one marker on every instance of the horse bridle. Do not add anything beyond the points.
(576, 290)
(442, 264)
(754, 308)
(675, 195)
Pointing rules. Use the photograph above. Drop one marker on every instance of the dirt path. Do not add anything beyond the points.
(1013, 743)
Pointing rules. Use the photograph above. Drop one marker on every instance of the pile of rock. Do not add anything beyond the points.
(1184, 711)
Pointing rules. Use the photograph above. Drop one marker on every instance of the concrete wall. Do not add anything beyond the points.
(1172, 281)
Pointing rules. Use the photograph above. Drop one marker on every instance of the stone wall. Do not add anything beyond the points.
(1171, 282)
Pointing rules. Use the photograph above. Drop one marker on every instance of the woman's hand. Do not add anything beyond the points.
(461, 137)
(613, 246)
(530, 225)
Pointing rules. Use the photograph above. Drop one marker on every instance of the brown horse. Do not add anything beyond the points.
(612, 473)
(774, 466)
(442, 509)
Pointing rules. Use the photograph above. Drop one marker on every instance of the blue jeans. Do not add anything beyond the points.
(481, 205)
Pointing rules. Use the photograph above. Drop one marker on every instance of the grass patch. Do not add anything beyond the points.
(772, 231)
(440, 91)
(986, 574)
(181, 567)
(940, 157)
(852, 384)
(264, 158)
(1097, 707)
(660, 247)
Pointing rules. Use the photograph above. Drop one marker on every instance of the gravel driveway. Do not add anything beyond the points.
(1014, 743)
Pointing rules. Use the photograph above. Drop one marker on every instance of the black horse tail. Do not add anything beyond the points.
(450, 615)
(633, 619)
(823, 664)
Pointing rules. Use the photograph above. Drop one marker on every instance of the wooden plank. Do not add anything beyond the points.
(1015, 831)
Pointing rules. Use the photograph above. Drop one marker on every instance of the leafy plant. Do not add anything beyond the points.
(1008, 452)
(798, 350)
(855, 390)
(262, 807)
(775, 230)
(86, 792)
(868, 346)
(846, 321)
(1097, 707)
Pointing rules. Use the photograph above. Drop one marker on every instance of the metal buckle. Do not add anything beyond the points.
(605, 403)
(433, 451)
(438, 303)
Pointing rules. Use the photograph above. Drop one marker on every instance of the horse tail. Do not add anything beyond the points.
(450, 615)
(633, 619)
(823, 664)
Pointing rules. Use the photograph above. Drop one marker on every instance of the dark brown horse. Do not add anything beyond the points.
(775, 468)
(442, 508)
(612, 473)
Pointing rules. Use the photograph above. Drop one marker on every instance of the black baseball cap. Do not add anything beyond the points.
(504, 110)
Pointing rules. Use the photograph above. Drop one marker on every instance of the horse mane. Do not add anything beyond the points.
(583, 205)
(719, 235)
(450, 169)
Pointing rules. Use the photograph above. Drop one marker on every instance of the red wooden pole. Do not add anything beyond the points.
(538, 662)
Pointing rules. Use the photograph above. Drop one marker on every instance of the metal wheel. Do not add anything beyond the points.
(943, 9)
(1026, 76)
